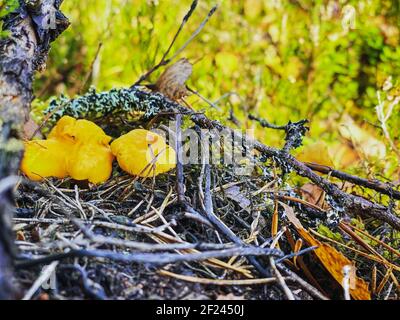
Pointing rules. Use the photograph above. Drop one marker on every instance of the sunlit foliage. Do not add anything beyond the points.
(281, 60)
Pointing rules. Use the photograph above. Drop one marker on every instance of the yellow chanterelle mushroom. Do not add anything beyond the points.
(76, 148)
(143, 153)
(45, 158)
(90, 161)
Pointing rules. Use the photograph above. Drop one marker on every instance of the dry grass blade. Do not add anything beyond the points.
(218, 282)
(391, 249)
(384, 281)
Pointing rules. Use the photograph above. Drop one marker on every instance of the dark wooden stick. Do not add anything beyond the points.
(180, 181)
(265, 124)
(153, 258)
(376, 185)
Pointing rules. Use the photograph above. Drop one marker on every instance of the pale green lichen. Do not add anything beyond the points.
(95, 104)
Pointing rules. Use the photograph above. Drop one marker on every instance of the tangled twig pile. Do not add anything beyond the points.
(197, 216)
(117, 219)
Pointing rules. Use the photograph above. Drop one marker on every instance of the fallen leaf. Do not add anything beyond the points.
(172, 81)
(275, 220)
(333, 260)
(301, 263)
(313, 194)
(291, 215)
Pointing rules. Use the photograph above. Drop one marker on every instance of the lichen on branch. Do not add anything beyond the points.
(95, 104)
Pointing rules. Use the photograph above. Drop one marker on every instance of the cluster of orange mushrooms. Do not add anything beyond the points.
(81, 150)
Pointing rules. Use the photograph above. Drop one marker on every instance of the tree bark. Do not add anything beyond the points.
(32, 27)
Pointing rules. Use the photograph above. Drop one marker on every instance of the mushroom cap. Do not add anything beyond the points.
(45, 158)
(58, 131)
(76, 148)
(143, 153)
(90, 161)
(81, 130)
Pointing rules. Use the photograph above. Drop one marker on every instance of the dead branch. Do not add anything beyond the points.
(180, 181)
(376, 185)
(351, 203)
(157, 259)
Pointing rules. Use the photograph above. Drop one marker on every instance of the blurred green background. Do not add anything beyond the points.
(281, 60)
